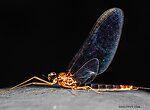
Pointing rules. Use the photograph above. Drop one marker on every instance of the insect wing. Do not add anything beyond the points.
(87, 72)
(101, 43)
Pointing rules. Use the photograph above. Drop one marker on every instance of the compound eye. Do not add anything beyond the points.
(52, 74)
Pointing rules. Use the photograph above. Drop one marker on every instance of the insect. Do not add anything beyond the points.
(92, 59)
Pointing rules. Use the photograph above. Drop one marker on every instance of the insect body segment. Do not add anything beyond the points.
(66, 80)
(106, 87)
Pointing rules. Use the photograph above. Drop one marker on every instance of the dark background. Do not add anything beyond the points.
(38, 37)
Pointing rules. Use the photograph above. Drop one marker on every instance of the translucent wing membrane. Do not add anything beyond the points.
(101, 44)
(87, 72)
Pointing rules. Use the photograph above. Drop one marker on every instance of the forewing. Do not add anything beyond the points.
(87, 72)
(101, 43)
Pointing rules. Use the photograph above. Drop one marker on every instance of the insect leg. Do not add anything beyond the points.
(25, 83)
(33, 83)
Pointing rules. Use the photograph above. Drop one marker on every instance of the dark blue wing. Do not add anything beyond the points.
(101, 43)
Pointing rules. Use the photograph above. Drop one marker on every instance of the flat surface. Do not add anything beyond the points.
(45, 98)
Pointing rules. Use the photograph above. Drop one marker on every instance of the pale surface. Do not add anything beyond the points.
(44, 98)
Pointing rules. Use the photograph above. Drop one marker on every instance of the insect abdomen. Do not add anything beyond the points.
(108, 87)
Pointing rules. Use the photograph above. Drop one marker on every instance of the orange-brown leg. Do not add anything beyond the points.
(32, 83)
(25, 83)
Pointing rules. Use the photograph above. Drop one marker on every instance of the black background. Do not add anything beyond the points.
(37, 37)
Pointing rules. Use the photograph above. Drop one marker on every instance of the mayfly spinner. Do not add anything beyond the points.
(93, 58)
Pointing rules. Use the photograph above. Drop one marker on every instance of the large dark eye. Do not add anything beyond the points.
(52, 74)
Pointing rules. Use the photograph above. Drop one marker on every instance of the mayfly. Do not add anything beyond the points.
(92, 59)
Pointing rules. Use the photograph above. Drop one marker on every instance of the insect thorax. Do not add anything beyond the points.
(65, 79)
